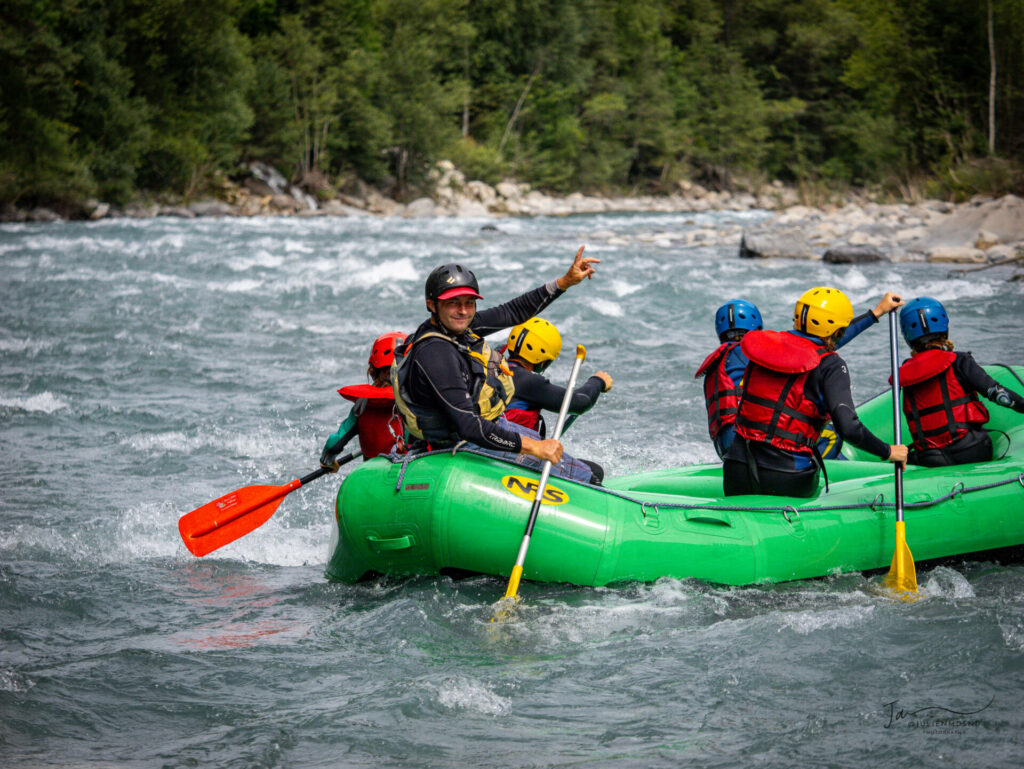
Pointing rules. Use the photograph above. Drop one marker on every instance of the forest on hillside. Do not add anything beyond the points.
(104, 98)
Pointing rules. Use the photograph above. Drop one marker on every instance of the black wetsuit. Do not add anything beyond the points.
(535, 392)
(976, 445)
(793, 474)
(440, 378)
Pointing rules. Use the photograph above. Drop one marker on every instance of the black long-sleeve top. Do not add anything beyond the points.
(539, 393)
(973, 377)
(440, 377)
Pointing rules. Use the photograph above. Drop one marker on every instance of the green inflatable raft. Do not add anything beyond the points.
(442, 514)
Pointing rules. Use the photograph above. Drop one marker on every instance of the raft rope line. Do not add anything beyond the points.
(784, 510)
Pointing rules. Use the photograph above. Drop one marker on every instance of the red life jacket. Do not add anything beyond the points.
(939, 410)
(374, 415)
(773, 408)
(721, 394)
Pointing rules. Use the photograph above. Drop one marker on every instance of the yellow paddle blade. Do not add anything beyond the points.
(901, 576)
(507, 605)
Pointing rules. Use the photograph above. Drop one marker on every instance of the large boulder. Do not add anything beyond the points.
(210, 208)
(980, 225)
(853, 254)
(421, 207)
(957, 255)
(42, 214)
(776, 244)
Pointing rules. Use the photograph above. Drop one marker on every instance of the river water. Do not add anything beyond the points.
(149, 366)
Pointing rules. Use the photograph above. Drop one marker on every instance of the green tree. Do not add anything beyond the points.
(112, 130)
(193, 68)
(419, 101)
(38, 157)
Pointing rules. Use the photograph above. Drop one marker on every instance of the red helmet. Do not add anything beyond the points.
(383, 352)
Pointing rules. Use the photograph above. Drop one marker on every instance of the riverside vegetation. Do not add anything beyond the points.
(168, 102)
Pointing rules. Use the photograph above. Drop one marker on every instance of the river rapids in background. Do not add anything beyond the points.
(149, 366)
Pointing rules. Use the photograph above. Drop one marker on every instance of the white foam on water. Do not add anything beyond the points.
(254, 444)
(235, 286)
(506, 265)
(13, 681)
(606, 307)
(170, 441)
(277, 544)
(813, 620)
(1013, 633)
(150, 530)
(944, 582)
(44, 402)
(261, 258)
(367, 275)
(623, 288)
(31, 346)
(952, 290)
(855, 280)
(464, 693)
(170, 280)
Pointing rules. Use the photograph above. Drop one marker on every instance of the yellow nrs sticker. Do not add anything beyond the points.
(527, 489)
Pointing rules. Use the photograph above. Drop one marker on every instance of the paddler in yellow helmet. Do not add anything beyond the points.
(532, 347)
(795, 383)
(449, 385)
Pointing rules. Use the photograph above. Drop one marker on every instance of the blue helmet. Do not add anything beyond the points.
(923, 316)
(737, 314)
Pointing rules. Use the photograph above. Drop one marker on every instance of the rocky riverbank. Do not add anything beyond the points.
(983, 231)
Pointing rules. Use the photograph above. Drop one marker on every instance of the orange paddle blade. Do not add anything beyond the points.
(234, 515)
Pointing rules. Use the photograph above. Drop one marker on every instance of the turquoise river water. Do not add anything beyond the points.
(149, 366)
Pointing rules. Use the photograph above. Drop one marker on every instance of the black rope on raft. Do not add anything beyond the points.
(958, 489)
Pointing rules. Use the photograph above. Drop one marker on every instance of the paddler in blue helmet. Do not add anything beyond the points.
(940, 391)
(794, 384)
(450, 386)
(723, 368)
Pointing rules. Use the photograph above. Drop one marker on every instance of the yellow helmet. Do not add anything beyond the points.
(822, 311)
(536, 341)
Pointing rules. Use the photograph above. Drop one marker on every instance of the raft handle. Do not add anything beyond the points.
(643, 508)
(957, 490)
(1020, 479)
(876, 502)
(392, 543)
(785, 513)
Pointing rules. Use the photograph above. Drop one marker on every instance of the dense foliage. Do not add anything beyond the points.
(104, 97)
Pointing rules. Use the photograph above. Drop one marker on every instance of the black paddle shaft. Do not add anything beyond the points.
(324, 471)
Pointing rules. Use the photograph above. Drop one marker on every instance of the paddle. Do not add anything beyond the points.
(901, 576)
(517, 570)
(234, 515)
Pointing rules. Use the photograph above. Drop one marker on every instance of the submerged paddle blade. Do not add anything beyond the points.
(507, 605)
(901, 576)
(234, 515)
